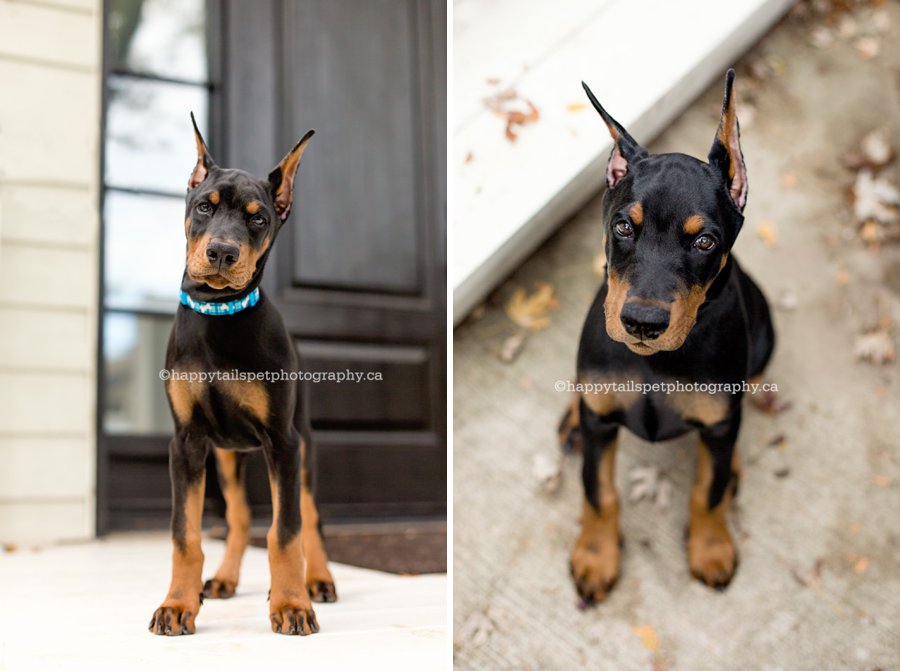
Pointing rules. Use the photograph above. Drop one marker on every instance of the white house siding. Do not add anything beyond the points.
(50, 84)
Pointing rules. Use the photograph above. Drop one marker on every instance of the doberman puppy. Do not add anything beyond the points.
(675, 307)
(225, 323)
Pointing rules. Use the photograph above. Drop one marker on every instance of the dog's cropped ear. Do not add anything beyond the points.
(726, 155)
(204, 160)
(281, 179)
(625, 149)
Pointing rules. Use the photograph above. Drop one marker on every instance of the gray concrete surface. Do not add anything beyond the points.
(819, 582)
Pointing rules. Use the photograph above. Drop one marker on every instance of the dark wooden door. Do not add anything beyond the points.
(359, 272)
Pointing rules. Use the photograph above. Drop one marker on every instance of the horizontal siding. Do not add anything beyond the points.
(47, 340)
(26, 522)
(32, 31)
(51, 404)
(35, 276)
(45, 468)
(50, 128)
(50, 57)
(47, 215)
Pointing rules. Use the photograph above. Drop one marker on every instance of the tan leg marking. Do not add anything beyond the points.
(712, 555)
(568, 432)
(290, 610)
(184, 395)
(596, 557)
(179, 610)
(319, 581)
(237, 514)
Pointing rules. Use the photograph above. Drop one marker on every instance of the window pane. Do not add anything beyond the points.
(160, 37)
(134, 351)
(149, 139)
(145, 248)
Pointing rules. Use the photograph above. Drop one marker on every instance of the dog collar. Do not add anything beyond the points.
(229, 308)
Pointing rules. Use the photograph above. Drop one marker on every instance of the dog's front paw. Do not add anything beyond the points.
(174, 619)
(219, 588)
(712, 554)
(293, 619)
(595, 568)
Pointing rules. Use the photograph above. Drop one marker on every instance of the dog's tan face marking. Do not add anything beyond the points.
(693, 224)
(252, 207)
(636, 212)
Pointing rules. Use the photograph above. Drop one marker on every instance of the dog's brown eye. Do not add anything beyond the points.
(204, 208)
(258, 221)
(624, 229)
(704, 243)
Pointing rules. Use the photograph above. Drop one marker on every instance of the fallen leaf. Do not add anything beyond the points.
(876, 149)
(518, 118)
(871, 232)
(842, 278)
(531, 311)
(861, 565)
(648, 636)
(547, 471)
(867, 47)
(881, 480)
(469, 158)
(875, 347)
(766, 233)
(648, 482)
(789, 180)
(576, 107)
(512, 347)
(476, 630)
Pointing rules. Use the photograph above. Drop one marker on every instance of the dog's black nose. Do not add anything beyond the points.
(222, 254)
(644, 321)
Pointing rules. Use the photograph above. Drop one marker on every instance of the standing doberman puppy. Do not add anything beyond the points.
(225, 323)
(675, 306)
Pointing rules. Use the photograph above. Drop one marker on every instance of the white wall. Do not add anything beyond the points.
(50, 78)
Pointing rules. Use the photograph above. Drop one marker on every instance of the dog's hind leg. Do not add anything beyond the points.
(568, 431)
(595, 559)
(232, 468)
(318, 578)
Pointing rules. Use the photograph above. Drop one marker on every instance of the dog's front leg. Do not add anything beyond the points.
(232, 469)
(290, 609)
(176, 615)
(712, 555)
(595, 559)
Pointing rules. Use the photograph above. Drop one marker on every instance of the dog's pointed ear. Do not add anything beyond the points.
(204, 160)
(625, 149)
(281, 179)
(726, 155)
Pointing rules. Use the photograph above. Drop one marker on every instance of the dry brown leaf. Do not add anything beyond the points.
(875, 347)
(881, 480)
(861, 565)
(867, 47)
(842, 278)
(469, 158)
(766, 232)
(512, 347)
(871, 233)
(789, 180)
(530, 311)
(647, 634)
(576, 107)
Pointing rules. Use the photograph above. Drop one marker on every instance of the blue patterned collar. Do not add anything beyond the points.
(215, 309)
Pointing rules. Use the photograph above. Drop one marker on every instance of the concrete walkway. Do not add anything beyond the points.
(87, 607)
(818, 517)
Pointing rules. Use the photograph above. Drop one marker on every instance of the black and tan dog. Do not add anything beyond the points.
(675, 306)
(225, 323)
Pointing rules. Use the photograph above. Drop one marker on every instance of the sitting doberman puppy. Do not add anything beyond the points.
(674, 306)
(226, 323)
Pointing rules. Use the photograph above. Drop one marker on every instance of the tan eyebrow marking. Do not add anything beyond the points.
(693, 224)
(214, 198)
(252, 207)
(636, 212)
